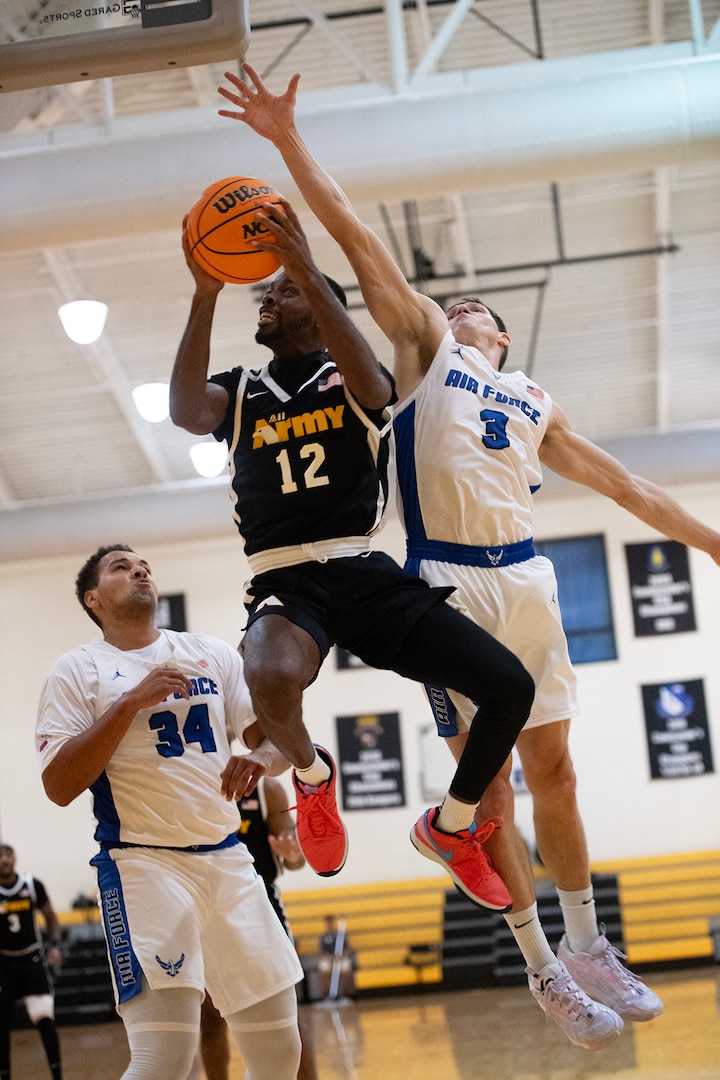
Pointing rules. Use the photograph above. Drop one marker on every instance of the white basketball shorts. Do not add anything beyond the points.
(193, 919)
(518, 605)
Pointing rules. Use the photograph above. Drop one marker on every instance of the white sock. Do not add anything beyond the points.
(315, 773)
(455, 815)
(579, 917)
(530, 937)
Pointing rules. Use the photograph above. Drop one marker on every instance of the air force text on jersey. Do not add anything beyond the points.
(463, 381)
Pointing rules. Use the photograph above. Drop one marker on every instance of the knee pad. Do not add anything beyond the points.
(162, 1029)
(268, 1037)
(39, 1006)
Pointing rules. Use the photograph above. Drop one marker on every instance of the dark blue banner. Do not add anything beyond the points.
(677, 730)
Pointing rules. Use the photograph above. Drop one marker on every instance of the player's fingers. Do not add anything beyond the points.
(237, 779)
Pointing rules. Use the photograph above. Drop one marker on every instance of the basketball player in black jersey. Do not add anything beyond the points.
(308, 445)
(23, 975)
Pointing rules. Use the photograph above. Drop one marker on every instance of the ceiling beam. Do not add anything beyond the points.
(541, 121)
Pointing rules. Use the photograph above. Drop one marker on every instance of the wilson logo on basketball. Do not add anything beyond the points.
(222, 229)
(240, 195)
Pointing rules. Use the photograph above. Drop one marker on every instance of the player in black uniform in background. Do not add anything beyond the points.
(308, 443)
(268, 831)
(22, 961)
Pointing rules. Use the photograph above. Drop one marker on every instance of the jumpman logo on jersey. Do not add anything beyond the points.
(458, 351)
(171, 967)
(118, 674)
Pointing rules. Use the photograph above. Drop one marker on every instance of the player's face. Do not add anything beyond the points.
(473, 324)
(125, 585)
(284, 314)
(470, 313)
(7, 865)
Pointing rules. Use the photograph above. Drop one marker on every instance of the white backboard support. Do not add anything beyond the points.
(67, 41)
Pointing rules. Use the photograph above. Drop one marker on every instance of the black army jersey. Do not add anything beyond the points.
(253, 832)
(19, 932)
(307, 461)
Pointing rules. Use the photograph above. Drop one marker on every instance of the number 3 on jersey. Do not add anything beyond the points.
(196, 729)
(495, 423)
(310, 474)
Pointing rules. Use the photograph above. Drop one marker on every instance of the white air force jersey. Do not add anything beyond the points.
(162, 785)
(467, 451)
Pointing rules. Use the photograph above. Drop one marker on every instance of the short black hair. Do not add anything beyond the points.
(499, 322)
(338, 290)
(88, 575)
(7, 847)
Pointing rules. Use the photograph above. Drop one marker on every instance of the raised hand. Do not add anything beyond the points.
(270, 115)
(289, 242)
(204, 282)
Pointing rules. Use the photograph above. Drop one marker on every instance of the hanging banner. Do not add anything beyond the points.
(660, 588)
(370, 761)
(677, 730)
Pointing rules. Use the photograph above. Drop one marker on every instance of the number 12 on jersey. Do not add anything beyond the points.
(310, 475)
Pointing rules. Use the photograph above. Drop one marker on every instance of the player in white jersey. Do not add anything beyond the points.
(470, 443)
(140, 720)
(484, 428)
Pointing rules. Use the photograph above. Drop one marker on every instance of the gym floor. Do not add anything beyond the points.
(486, 1034)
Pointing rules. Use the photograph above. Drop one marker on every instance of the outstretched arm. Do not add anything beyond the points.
(360, 369)
(414, 324)
(196, 404)
(575, 458)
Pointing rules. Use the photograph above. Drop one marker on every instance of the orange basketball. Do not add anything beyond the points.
(221, 225)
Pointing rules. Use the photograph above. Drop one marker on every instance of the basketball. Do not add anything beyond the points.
(221, 225)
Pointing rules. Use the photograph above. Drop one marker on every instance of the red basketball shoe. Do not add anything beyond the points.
(321, 834)
(464, 859)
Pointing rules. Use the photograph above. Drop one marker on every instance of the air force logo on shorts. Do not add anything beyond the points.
(443, 710)
(171, 967)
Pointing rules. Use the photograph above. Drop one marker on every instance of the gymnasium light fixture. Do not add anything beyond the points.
(209, 458)
(152, 401)
(83, 320)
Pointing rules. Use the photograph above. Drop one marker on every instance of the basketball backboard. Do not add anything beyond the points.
(66, 41)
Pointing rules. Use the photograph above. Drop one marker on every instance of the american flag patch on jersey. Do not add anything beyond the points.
(332, 380)
(535, 391)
